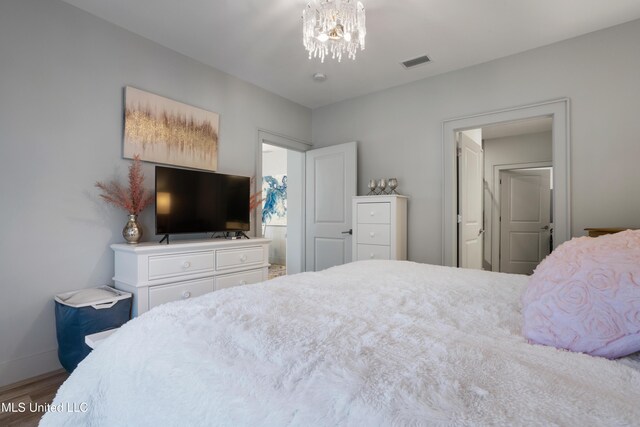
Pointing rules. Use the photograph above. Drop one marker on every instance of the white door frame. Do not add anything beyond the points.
(495, 207)
(283, 141)
(559, 111)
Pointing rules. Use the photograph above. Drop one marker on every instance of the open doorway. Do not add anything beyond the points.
(518, 196)
(505, 183)
(280, 168)
(321, 182)
(274, 206)
(559, 113)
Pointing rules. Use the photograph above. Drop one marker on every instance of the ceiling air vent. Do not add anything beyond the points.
(416, 61)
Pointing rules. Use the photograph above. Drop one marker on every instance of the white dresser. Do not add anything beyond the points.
(380, 227)
(157, 274)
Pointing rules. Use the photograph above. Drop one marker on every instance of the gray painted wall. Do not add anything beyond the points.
(62, 74)
(400, 129)
(510, 150)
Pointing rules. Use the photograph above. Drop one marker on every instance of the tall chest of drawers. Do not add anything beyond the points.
(156, 274)
(379, 227)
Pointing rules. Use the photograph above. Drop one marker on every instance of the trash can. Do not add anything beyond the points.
(86, 312)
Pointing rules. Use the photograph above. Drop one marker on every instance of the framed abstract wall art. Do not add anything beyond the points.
(162, 130)
(274, 208)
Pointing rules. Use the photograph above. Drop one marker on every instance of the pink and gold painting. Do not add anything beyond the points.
(162, 130)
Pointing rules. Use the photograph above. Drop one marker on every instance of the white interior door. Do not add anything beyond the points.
(525, 212)
(331, 183)
(470, 193)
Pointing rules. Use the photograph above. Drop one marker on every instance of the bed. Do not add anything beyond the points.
(368, 343)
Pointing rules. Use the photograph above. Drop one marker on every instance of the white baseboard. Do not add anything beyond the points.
(16, 370)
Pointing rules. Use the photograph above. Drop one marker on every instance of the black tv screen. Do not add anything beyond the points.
(189, 201)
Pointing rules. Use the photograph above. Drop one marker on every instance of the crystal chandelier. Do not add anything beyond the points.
(335, 26)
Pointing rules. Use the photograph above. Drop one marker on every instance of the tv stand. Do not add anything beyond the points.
(231, 235)
(156, 274)
(166, 237)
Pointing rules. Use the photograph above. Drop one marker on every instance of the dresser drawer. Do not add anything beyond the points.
(230, 258)
(374, 234)
(373, 252)
(161, 266)
(374, 213)
(183, 290)
(238, 279)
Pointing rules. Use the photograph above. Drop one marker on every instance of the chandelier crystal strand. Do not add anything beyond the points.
(333, 26)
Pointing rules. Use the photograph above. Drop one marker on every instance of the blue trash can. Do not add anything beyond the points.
(85, 312)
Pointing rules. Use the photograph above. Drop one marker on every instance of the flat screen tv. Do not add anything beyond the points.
(189, 201)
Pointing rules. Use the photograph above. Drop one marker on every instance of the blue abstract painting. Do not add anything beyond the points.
(274, 192)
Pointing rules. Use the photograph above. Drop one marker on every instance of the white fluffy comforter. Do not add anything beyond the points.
(369, 343)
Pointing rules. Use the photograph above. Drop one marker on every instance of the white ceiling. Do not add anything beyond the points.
(518, 127)
(261, 41)
(266, 148)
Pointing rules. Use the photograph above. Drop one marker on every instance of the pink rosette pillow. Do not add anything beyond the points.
(585, 296)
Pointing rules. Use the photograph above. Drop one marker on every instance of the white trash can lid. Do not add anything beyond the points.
(94, 297)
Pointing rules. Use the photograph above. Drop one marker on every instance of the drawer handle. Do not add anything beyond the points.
(186, 265)
(243, 258)
(243, 282)
(372, 234)
(372, 213)
(186, 294)
(372, 256)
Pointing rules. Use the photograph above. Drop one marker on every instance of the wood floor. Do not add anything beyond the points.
(39, 390)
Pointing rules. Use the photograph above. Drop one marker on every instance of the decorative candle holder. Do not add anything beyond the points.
(393, 184)
(372, 187)
(382, 184)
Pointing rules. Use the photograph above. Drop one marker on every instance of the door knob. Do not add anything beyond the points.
(546, 227)
(350, 231)
(481, 232)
